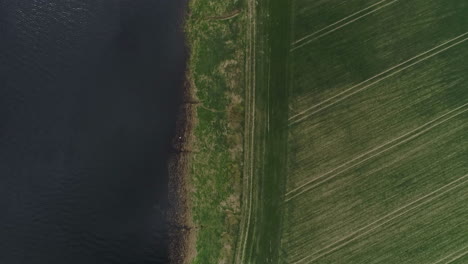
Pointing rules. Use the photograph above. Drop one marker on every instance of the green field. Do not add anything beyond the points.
(356, 146)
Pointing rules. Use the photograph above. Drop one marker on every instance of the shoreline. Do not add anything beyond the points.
(182, 232)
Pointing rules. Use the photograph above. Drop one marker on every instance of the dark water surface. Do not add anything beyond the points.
(88, 97)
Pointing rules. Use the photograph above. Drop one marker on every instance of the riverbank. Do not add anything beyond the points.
(208, 161)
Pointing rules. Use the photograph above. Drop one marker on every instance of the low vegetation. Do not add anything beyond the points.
(216, 73)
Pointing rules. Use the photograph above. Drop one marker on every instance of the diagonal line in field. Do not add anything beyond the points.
(306, 113)
(383, 220)
(453, 255)
(337, 22)
(341, 26)
(383, 148)
(457, 257)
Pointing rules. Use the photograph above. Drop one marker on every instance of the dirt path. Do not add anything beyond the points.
(265, 132)
(228, 16)
(249, 135)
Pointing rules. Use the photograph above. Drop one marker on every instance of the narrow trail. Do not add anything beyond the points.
(337, 22)
(457, 257)
(249, 136)
(265, 144)
(453, 256)
(307, 40)
(228, 16)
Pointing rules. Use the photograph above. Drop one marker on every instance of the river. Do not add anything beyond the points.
(89, 92)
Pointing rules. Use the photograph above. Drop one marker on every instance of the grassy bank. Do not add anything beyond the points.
(216, 73)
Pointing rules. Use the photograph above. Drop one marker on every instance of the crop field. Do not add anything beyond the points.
(359, 133)
(377, 132)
